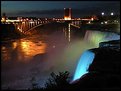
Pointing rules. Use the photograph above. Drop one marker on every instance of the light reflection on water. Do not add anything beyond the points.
(23, 47)
(30, 49)
(41, 54)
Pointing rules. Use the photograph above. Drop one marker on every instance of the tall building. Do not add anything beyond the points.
(67, 13)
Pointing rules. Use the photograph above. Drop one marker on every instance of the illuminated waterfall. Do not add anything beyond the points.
(84, 62)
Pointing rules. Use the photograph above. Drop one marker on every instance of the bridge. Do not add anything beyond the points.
(26, 26)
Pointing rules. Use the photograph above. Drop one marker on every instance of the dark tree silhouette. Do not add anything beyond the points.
(58, 81)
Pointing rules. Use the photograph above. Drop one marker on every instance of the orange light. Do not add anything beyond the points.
(30, 48)
(67, 18)
(92, 19)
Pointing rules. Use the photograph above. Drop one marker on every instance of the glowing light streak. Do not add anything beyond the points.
(12, 20)
(86, 19)
(69, 35)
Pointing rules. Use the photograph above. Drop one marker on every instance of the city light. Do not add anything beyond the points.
(112, 13)
(27, 19)
(89, 22)
(67, 18)
(106, 22)
(102, 13)
(102, 23)
(31, 22)
(92, 19)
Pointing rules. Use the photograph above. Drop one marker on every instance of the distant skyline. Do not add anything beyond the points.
(56, 8)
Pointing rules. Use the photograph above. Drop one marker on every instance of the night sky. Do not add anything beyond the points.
(56, 8)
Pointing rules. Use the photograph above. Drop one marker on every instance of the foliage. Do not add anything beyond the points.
(56, 81)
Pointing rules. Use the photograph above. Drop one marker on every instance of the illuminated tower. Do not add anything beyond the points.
(67, 13)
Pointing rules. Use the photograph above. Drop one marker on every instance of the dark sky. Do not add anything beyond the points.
(56, 8)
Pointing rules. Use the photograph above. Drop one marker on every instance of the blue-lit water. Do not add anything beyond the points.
(84, 62)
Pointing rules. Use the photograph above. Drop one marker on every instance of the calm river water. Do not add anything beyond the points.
(53, 49)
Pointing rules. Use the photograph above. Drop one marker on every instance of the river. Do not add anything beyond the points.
(52, 49)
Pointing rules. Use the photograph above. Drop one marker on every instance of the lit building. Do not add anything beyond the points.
(67, 13)
(4, 18)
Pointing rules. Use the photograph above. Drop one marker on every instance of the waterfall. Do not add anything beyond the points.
(83, 64)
